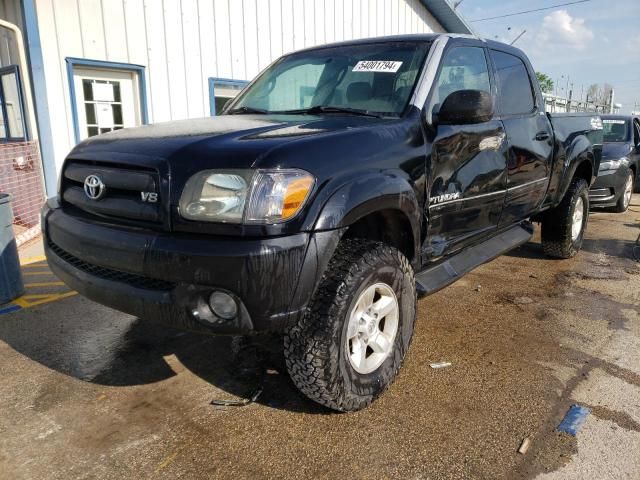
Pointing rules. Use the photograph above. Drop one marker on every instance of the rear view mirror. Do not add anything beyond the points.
(465, 107)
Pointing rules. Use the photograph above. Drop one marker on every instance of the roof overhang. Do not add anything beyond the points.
(446, 16)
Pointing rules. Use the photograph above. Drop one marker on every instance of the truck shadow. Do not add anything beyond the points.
(531, 250)
(611, 246)
(124, 351)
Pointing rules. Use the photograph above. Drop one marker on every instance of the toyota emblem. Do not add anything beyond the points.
(94, 188)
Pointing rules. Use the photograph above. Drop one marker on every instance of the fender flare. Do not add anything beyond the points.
(581, 152)
(369, 194)
(353, 200)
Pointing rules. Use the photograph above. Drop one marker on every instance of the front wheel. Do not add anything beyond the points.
(563, 227)
(350, 345)
(627, 191)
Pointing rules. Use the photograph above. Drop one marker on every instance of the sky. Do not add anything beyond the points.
(596, 41)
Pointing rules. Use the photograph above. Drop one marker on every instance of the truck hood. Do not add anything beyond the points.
(613, 151)
(228, 141)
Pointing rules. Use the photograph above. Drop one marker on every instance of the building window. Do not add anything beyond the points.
(105, 96)
(221, 90)
(12, 126)
(105, 100)
(102, 105)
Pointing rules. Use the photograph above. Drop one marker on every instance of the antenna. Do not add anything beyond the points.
(518, 37)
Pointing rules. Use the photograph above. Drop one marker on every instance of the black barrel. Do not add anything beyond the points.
(11, 285)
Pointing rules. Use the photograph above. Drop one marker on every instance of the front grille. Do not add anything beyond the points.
(123, 193)
(137, 281)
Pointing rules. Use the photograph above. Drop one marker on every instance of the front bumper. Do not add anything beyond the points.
(168, 277)
(608, 187)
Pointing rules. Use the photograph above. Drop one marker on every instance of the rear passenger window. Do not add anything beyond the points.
(463, 68)
(515, 95)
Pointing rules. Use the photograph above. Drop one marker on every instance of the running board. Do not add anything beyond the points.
(434, 278)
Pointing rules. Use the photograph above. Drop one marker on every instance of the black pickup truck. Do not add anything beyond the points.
(343, 182)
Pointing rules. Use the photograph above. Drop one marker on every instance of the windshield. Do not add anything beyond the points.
(615, 130)
(370, 78)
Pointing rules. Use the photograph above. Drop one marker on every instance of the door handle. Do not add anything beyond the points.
(542, 136)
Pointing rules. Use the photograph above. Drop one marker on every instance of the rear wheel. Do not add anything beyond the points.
(627, 192)
(350, 345)
(563, 227)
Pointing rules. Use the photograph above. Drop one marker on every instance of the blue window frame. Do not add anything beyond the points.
(99, 64)
(12, 121)
(221, 90)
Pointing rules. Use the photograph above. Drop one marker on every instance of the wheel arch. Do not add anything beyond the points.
(581, 167)
(390, 226)
(380, 207)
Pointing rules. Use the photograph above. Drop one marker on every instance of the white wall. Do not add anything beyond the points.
(184, 42)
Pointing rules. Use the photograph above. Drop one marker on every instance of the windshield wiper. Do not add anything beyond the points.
(330, 109)
(235, 111)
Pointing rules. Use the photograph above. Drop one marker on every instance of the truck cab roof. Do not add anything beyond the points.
(424, 37)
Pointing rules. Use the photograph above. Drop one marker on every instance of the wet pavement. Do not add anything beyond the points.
(88, 392)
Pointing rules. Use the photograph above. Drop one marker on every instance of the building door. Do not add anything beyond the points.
(106, 100)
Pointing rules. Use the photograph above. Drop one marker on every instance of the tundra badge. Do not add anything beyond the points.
(447, 197)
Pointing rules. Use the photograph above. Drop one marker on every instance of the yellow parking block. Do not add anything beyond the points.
(36, 273)
(44, 284)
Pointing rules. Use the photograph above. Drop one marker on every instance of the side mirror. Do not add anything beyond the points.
(465, 107)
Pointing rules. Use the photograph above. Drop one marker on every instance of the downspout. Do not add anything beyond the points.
(32, 129)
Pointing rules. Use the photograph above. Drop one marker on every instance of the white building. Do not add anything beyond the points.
(96, 65)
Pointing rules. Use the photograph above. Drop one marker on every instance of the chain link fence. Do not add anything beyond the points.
(21, 176)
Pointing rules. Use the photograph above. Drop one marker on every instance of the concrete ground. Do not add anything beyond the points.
(88, 392)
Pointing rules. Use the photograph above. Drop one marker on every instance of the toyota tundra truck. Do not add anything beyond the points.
(343, 183)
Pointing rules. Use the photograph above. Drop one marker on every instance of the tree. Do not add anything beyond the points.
(599, 94)
(546, 84)
(592, 93)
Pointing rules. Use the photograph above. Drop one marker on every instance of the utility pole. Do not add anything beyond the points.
(569, 100)
(611, 97)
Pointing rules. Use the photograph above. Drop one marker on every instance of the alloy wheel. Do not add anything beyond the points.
(576, 221)
(372, 328)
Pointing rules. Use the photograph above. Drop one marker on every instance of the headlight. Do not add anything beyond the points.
(612, 164)
(245, 196)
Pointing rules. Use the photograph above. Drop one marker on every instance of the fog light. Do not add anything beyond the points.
(223, 305)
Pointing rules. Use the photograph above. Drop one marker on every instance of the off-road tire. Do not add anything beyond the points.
(556, 223)
(620, 207)
(314, 348)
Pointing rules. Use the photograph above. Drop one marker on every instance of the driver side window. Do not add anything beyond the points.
(463, 68)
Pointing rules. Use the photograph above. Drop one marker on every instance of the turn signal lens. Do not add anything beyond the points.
(295, 196)
(278, 195)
